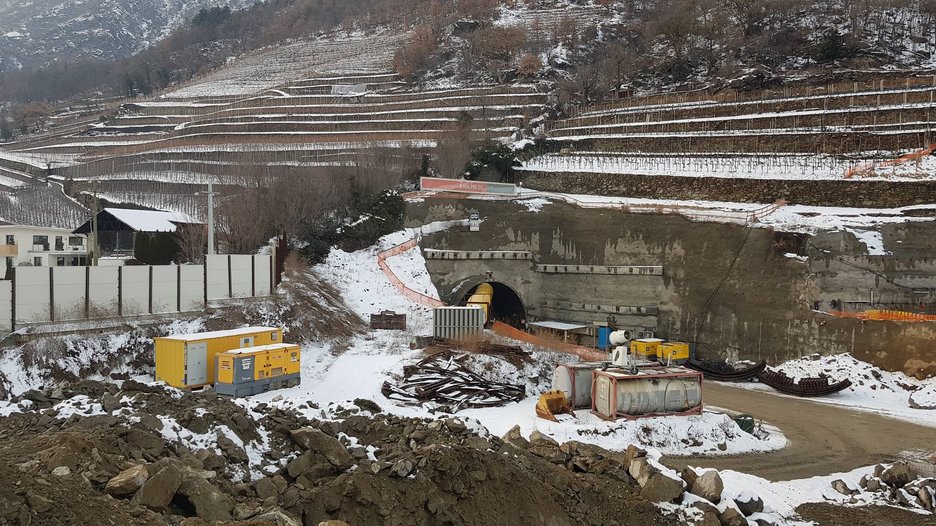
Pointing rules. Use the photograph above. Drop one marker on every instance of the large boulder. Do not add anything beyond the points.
(515, 438)
(128, 481)
(329, 447)
(146, 441)
(231, 449)
(749, 503)
(842, 487)
(157, 492)
(641, 470)
(732, 517)
(709, 486)
(898, 475)
(265, 488)
(210, 503)
(662, 488)
(708, 519)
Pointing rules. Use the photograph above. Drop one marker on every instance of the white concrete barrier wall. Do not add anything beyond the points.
(102, 291)
(134, 292)
(217, 277)
(165, 288)
(263, 275)
(43, 294)
(242, 276)
(68, 287)
(6, 306)
(192, 287)
(32, 294)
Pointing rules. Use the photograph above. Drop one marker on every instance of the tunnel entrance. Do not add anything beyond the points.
(506, 305)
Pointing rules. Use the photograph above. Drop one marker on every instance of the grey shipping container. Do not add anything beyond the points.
(458, 323)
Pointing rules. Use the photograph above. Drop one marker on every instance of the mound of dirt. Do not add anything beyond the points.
(95, 453)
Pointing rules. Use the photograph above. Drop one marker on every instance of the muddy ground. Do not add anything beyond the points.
(822, 438)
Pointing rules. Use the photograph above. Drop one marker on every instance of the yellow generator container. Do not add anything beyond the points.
(187, 361)
(673, 353)
(245, 372)
(645, 348)
(482, 297)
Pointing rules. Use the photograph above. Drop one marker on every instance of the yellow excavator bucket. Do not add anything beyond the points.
(553, 403)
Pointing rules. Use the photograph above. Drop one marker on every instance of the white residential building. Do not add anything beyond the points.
(41, 246)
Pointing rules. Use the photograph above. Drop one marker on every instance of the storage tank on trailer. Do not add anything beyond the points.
(575, 379)
(649, 392)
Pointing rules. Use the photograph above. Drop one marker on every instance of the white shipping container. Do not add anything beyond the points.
(458, 323)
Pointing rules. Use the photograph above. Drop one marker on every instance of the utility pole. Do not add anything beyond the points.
(211, 242)
(95, 209)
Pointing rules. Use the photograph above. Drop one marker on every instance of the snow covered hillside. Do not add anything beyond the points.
(43, 31)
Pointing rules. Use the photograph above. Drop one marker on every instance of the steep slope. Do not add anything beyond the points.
(43, 31)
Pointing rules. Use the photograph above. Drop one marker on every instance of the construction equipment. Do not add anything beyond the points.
(673, 353)
(555, 406)
(245, 372)
(645, 348)
(482, 297)
(187, 361)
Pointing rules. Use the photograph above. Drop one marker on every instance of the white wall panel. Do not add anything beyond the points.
(68, 284)
(32, 294)
(103, 291)
(217, 277)
(164, 288)
(241, 276)
(193, 293)
(135, 291)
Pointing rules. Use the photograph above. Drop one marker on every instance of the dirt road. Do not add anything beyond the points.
(823, 439)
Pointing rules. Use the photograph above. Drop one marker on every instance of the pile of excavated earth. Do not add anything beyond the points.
(135, 454)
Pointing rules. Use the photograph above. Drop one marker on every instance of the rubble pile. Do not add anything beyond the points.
(96, 453)
(896, 485)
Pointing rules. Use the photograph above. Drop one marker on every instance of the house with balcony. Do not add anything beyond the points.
(41, 246)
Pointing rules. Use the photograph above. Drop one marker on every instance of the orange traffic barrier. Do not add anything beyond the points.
(502, 329)
(418, 297)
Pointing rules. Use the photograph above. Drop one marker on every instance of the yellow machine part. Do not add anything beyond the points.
(482, 297)
(553, 403)
(675, 351)
(646, 348)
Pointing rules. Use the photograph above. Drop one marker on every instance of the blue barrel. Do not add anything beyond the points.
(604, 334)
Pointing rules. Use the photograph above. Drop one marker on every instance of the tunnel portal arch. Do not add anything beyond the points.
(506, 304)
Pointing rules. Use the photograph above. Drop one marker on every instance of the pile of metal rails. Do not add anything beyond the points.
(443, 379)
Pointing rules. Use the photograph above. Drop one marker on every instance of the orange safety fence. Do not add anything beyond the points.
(418, 297)
(885, 315)
(912, 156)
(502, 329)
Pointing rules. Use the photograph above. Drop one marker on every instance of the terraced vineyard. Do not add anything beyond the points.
(812, 134)
(160, 152)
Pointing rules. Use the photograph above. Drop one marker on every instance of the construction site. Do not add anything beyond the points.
(711, 307)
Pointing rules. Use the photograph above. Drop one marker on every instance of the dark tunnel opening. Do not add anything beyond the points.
(506, 305)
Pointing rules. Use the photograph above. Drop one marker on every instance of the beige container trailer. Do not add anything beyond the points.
(656, 391)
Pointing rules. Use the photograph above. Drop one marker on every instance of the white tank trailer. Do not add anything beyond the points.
(575, 379)
(649, 392)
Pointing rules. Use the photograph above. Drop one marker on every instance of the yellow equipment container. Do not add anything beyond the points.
(245, 372)
(187, 360)
(645, 348)
(673, 353)
(482, 297)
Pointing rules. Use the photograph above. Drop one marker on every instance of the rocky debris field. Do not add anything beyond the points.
(135, 454)
(895, 485)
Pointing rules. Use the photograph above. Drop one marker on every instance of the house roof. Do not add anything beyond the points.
(150, 220)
